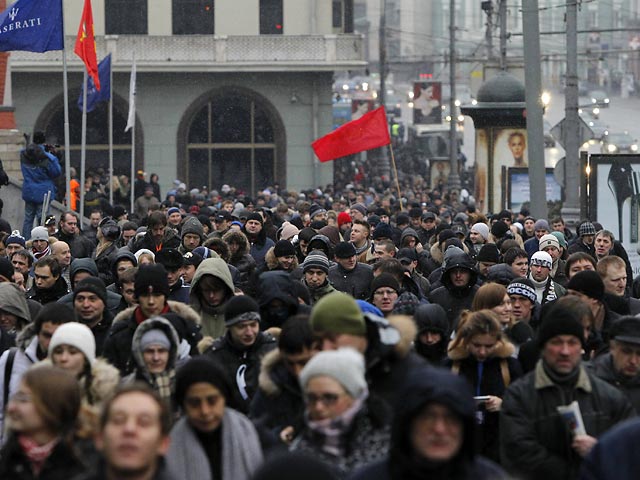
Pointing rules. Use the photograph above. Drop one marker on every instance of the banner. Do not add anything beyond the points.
(95, 96)
(32, 26)
(131, 119)
(86, 43)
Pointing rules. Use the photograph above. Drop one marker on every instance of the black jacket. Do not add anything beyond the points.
(239, 364)
(169, 240)
(48, 295)
(602, 367)
(355, 282)
(79, 245)
(535, 442)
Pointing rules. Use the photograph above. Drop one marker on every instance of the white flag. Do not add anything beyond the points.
(131, 120)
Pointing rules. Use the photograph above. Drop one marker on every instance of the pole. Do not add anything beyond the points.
(488, 34)
(454, 176)
(383, 161)
(111, 133)
(67, 140)
(133, 163)
(502, 13)
(571, 207)
(395, 173)
(83, 146)
(533, 88)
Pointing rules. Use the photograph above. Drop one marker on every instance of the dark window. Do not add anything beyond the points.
(271, 17)
(193, 17)
(342, 15)
(125, 17)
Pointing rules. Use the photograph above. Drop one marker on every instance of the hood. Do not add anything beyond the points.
(233, 236)
(432, 317)
(215, 267)
(24, 338)
(13, 301)
(426, 385)
(501, 274)
(503, 349)
(274, 285)
(332, 233)
(324, 240)
(106, 378)
(436, 253)
(389, 337)
(150, 324)
(460, 260)
(34, 154)
(180, 309)
(408, 232)
(85, 264)
(272, 261)
(122, 254)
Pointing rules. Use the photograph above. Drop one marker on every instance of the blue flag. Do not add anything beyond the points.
(95, 96)
(32, 25)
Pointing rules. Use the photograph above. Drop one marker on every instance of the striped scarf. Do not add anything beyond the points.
(38, 255)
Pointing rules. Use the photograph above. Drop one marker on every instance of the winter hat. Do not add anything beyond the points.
(402, 219)
(406, 304)
(193, 258)
(6, 268)
(519, 226)
(143, 251)
(548, 240)
(382, 230)
(170, 258)
(316, 259)
(15, 237)
(561, 240)
(192, 225)
(407, 254)
(541, 224)
(542, 259)
(626, 329)
(76, 335)
(588, 283)
(109, 229)
(288, 231)
(284, 248)
(431, 318)
(359, 207)
(204, 252)
(338, 313)
(445, 235)
(241, 308)
(93, 285)
(344, 217)
(255, 216)
(559, 320)
(173, 210)
(151, 279)
(155, 336)
(315, 210)
(587, 228)
(489, 253)
(482, 229)
(40, 233)
(428, 216)
(523, 287)
(201, 369)
(459, 229)
(344, 250)
(499, 229)
(384, 280)
(344, 365)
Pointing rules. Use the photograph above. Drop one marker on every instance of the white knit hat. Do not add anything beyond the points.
(76, 335)
(345, 365)
(543, 259)
(482, 229)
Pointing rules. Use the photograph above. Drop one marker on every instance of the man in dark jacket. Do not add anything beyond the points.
(257, 236)
(69, 232)
(432, 434)
(90, 305)
(349, 275)
(536, 441)
(239, 352)
(621, 366)
(49, 285)
(172, 260)
(158, 235)
(458, 288)
(584, 243)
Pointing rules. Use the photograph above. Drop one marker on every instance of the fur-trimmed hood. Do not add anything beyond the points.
(272, 261)
(436, 253)
(407, 329)
(234, 236)
(163, 325)
(179, 308)
(503, 349)
(265, 380)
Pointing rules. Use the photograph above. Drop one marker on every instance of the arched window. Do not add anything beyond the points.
(51, 121)
(232, 137)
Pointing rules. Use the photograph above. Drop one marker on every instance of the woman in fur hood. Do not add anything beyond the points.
(482, 354)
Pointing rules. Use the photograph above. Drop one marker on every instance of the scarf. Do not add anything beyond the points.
(38, 255)
(241, 450)
(332, 431)
(164, 383)
(545, 291)
(139, 316)
(36, 454)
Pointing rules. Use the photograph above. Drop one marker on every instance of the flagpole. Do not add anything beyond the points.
(395, 172)
(133, 163)
(111, 133)
(67, 141)
(83, 148)
(131, 122)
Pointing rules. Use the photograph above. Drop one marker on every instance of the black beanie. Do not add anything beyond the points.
(499, 229)
(588, 283)
(489, 253)
(385, 280)
(255, 216)
(446, 235)
(560, 320)
(93, 285)
(241, 308)
(151, 279)
(201, 370)
(284, 248)
(6, 268)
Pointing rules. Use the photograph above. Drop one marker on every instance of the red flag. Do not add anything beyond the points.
(86, 44)
(367, 132)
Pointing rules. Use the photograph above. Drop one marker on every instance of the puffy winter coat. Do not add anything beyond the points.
(212, 317)
(39, 169)
(355, 282)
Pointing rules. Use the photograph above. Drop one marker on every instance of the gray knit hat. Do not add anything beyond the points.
(316, 259)
(192, 225)
(40, 233)
(345, 365)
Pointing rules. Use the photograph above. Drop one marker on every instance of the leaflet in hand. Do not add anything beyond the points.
(573, 418)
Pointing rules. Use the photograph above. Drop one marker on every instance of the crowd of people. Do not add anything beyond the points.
(327, 334)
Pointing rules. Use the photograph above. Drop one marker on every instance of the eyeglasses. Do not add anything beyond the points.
(382, 293)
(327, 399)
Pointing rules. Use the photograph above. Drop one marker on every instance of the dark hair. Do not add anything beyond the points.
(576, 257)
(513, 253)
(24, 253)
(296, 335)
(392, 266)
(129, 226)
(557, 220)
(364, 223)
(51, 262)
(129, 275)
(39, 137)
(155, 219)
(143, 388)
(56, 313)
(219, 246)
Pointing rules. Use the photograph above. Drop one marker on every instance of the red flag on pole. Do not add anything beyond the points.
(86, 44)
(367, 132)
